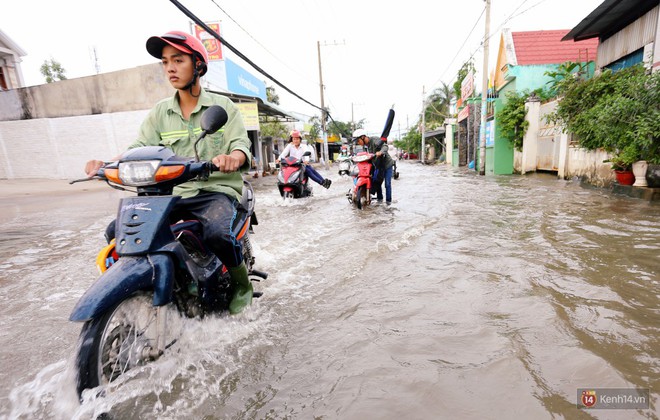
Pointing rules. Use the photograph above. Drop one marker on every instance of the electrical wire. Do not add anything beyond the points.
(240, 54)
(510, 17)
(259, 43)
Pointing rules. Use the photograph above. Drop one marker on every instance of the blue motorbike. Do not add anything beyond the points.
(153, 271)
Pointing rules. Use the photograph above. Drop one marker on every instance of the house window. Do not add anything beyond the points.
(627, 61)
(3, 81)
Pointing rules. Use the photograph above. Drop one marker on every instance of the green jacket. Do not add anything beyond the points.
(165, 126)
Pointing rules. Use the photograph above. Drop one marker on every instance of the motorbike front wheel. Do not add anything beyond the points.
(124, 337)
(362, 196)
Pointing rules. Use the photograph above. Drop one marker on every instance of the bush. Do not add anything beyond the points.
(616, 111)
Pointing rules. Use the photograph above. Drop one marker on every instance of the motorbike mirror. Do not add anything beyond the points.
(213, 118)
(307, 153)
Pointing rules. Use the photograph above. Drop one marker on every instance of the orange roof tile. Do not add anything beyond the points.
(545, 47)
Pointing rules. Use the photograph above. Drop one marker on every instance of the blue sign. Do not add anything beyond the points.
(490, 133)
(242, 82)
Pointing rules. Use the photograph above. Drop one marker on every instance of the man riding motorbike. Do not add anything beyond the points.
(175, 123)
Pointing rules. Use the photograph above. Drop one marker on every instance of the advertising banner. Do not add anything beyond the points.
(467, 85)
(463, 113)
(243, 82)
(250, 113)
(212, 45)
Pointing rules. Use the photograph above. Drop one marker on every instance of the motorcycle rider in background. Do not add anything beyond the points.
(175, 123)
(296, 149)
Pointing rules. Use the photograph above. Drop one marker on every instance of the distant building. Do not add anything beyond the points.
(524, 57)
(11, 76)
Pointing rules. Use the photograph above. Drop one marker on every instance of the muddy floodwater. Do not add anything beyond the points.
(469, 297)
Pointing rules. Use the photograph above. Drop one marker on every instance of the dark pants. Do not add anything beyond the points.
(221, 217)
(378, 188)
(312, 173)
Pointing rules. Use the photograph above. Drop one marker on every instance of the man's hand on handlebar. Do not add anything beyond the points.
(229, 163)
(92, 167)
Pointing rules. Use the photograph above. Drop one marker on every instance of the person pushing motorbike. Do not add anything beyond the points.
(175, 123)
(383, 163)
(295, 149)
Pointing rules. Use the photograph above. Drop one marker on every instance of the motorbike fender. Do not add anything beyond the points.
(125, 277)
(362, 181)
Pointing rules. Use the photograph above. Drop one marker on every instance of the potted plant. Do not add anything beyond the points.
(622, 161)
(622, 169)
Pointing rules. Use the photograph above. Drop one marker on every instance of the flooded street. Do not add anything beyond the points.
(469, 297)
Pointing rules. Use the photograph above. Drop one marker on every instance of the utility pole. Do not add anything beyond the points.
(324, 134)
(423, 130)
(484, 97)
(326, 155)
(352, 118)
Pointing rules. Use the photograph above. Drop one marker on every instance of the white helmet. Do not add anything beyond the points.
(359, 133)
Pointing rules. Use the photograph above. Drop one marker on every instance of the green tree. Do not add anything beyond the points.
(464, 70)
(437, 106)
(511, 121)
(274, 129)
(565, 73)
(272, 96)
(344, 129)
(52, 71)
(411, 142)
(315, 127)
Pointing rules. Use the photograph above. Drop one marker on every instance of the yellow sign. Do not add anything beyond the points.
(250, 113)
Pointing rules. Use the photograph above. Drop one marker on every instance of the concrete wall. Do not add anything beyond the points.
(57, 148)
(573, 161)
(50, 131)
(133, 89)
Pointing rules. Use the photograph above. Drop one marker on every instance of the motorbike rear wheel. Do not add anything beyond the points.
(288, 195)
(121, 339)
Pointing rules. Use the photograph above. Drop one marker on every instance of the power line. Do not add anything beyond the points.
(459, 48)
(511, 16)
(238, 53)
(258, 43)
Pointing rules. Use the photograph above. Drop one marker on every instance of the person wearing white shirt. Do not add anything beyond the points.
(296, 150)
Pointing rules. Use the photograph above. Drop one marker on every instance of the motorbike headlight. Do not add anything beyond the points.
(136, 173)
(294, 177)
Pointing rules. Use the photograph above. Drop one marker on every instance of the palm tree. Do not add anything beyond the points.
(437, 106)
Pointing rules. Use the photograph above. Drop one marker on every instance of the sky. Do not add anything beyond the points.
(373, 54)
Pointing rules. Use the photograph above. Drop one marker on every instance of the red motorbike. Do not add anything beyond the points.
(292, 181)
(363, 169)
(361, 172)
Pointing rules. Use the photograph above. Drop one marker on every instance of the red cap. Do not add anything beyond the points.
(181, 41)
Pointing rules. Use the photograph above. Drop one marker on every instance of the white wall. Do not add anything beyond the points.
(57, 148)
(573, 161)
